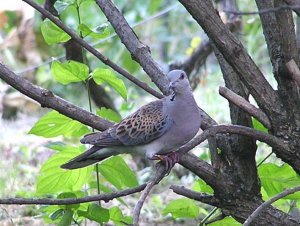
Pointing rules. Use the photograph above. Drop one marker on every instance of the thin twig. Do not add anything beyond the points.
(264, 159)
(294, 71)
(264, 205)
(204, 220)
(93, 51)
(157, 177)
(67, 201)
(245, 105)
(202, 197)
(139, 51)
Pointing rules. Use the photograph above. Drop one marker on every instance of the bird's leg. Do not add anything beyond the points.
(169, 160)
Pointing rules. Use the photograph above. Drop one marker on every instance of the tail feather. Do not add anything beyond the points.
(87, 158)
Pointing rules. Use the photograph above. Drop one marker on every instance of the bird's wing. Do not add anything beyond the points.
(102, 139)
(146, 124)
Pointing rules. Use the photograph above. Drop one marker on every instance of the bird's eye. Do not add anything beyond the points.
(181, 76)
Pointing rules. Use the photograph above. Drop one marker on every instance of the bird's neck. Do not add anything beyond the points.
(183, 96)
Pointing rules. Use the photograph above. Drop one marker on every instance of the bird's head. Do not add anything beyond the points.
(179, 82)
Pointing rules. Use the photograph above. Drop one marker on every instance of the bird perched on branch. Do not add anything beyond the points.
(156, 129)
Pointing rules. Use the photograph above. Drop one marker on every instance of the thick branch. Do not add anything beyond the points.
(266, 204)
(139, 51)
(202, 197)
(245, 105)
(67, 201)
(47, 99)
(234, 53)
(93, 51)
(199, 167)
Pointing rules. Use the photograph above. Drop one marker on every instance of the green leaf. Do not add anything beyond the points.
(108, 114)
(53, 179)
(70, 71)
(275, 179)
(258, 126)
(99, 32)
(115, 214)
(60, 6)
(67, 195)
(227, 221)
(117, 172)
(95, 213)
(201, 186)
(182, 208)
(66, 218)
(57, 214)
(117, 217)
(52, 33)
(54, 124)
(101, 75)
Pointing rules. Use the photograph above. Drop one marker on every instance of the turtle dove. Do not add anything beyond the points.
(156, 129)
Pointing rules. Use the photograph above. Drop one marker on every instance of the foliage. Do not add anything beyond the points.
(182, 208)
(54, 124)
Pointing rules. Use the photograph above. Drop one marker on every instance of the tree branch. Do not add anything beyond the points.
(234, 53)
(234, 129)
(266, 204)
(160, 171)
(93, 51)
(245, 105)
(139, 51)
(47, 99)
(205, 170)
(294, 4)
(202, 197)
(294, 71)
(67, 201)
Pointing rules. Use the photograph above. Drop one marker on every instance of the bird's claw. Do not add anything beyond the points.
(169, 160)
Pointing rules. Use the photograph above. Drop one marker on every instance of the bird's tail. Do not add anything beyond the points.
(87, 158)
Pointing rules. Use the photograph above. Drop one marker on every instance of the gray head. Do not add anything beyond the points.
(179, 82)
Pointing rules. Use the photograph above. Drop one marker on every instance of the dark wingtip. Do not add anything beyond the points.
(67, 166)
(83, 140)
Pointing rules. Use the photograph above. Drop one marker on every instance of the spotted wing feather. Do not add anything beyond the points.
(148, 123)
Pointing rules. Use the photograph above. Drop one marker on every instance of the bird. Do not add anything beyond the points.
(156, 129)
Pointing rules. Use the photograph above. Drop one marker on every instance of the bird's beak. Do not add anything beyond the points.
(171, 87)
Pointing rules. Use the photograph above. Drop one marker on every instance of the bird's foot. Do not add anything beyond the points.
(169, 160)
